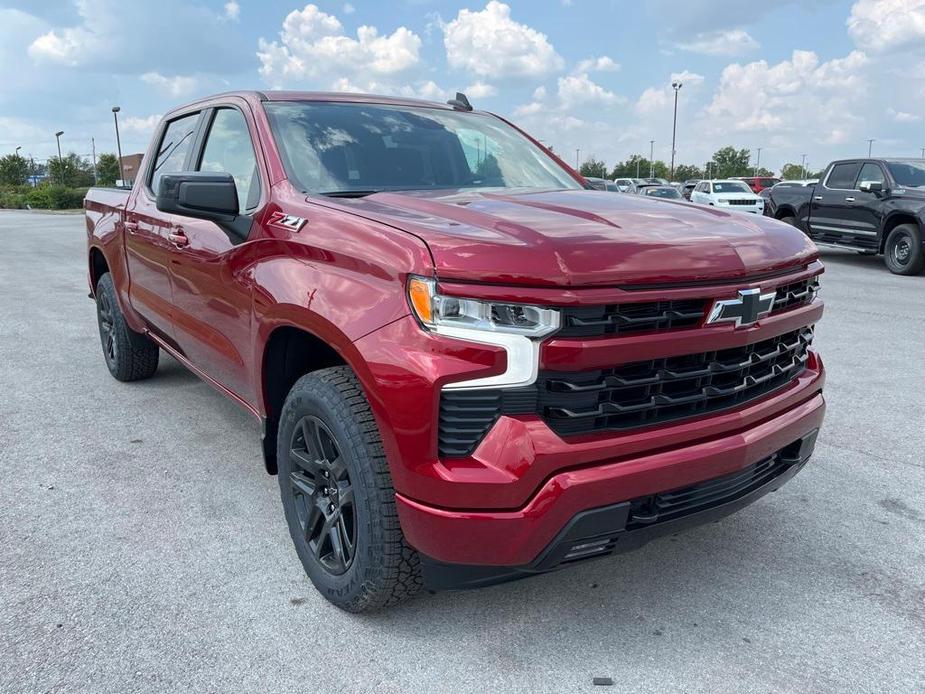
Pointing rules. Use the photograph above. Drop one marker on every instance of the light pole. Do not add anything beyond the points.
(870, 146)
(637, 166)
(577, 153)
(115, 117)
(16, 152)
(651, 158)
(58, 140)
(757, 162)
(674, 126)
(923, 152)
(803, 166)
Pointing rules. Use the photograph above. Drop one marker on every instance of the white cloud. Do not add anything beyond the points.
(142, 126)
(176, 86)
(887, 25)
(902, 116)
(728, 42)
(657, 99)
(580, 90)
(348, 8)
(480, 90)
(818, 99)
(313, 47)
(488, 43)
(602, 64)
(232, 11)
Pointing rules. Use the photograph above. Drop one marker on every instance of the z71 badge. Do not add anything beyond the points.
(287, 221)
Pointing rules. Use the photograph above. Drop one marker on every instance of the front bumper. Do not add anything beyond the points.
(518, 538)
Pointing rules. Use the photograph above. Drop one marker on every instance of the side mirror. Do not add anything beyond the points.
(871, 187)
(204, 195)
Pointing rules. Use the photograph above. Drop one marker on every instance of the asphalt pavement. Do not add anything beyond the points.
(143, 547)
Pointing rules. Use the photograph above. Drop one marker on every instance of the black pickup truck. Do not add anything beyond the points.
(869, 205)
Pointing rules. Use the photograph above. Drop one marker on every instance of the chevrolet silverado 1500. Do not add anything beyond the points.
(868, 205)
(468, 366)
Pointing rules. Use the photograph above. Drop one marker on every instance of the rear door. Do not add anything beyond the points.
(148, 243)
(831, 207)
(210, 273)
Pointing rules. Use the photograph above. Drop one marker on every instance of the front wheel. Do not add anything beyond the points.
(338, 497)
(903, 252)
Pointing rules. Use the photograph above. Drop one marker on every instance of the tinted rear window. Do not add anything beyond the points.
(843, 176)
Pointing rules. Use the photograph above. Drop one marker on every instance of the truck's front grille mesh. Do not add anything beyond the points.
(738, 201)
(619, 319)
(630, 395)
(795, 294)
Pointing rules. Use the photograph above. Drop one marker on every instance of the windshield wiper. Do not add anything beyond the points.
(349, 193)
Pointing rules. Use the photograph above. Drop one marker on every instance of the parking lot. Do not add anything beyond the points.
(143, 547)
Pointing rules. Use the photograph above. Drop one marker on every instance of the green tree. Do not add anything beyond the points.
(792, 172)
(14, 170)
(107, 170)
(70, 170)
(765, 173)
(685, 171)
(594, 168)
(629, 168)
(729, 161)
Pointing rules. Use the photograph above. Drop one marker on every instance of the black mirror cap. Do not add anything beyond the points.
(204, 195)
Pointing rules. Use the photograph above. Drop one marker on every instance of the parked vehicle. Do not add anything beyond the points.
(868, 205)
(688, 187)
(732, 195)
(602, 184)
(626, 185)
(468, 367)
(666, 192)
(758, 183)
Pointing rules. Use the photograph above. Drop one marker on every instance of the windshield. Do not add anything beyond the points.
(363, 148)
(910, 174)
(663, 193)
(731, 187)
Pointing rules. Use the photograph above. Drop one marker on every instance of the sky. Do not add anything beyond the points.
(813, 77)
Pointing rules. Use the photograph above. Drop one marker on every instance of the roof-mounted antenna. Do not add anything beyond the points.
(460, 103)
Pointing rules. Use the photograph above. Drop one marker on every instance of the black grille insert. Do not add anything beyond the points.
(619, 319)
(660, 390)
(795, 294)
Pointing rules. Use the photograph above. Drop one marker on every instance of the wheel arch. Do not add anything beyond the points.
(98, 266)
(894, 220)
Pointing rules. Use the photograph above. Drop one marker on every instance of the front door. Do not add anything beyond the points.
(147, 232)
(210, 273)
(831, 209)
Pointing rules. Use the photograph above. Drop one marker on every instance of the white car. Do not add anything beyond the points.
(734, 196)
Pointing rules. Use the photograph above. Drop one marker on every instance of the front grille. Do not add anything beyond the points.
(620, 319)
(742, 202)
(628, 396)
(659, 390)
(795, 294)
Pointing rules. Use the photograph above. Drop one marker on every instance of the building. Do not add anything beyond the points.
(131, 163)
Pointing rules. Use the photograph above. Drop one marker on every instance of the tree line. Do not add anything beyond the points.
(70, 170)
(727, 162)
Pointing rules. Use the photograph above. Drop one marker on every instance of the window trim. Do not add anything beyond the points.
(202, 139)
(883, 173)
(825, 183)
(162, 130)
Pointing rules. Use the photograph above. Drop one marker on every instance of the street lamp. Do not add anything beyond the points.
(674, 125)
(870, 146)
(577, 153)
(757, 162)
(651, 158)
(58, 139)
(803, 166)
(115, 117)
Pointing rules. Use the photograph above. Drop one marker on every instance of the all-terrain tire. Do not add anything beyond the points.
(328, 444)
(129, 356)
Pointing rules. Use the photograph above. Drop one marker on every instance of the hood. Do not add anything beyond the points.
(583, 237)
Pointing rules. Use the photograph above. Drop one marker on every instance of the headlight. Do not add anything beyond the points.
(723, 201)
(517, 328)
(435, 311)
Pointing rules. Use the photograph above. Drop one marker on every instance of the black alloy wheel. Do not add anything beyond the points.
(323, 495)
(904, 252)
(107, 329)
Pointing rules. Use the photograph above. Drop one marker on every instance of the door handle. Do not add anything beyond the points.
(849, 199)
(818, 197)
(178, 239)
(131, 227)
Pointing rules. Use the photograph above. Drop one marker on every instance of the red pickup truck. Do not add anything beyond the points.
(469, 367)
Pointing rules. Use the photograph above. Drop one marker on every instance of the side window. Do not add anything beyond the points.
(173, 148)
(871, 172)
(843, 176)
(229, 149)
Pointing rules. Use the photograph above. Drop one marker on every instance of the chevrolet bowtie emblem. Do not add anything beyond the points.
(745, 310)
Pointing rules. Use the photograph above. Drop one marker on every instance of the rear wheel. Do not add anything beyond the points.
(129, 356)
(338, 497)
(903, 252)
